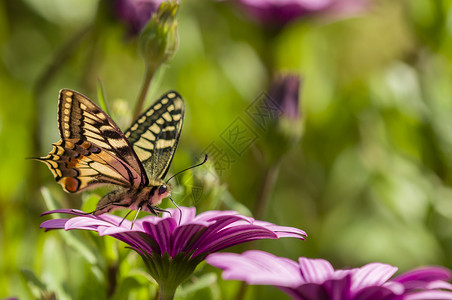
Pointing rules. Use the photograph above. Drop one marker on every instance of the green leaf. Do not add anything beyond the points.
(36, 287)
(206, 281)
(101, 97)
(74, 240)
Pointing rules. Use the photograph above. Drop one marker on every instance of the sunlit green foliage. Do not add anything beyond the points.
(370, 179)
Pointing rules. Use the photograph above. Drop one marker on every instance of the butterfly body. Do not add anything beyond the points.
(142, 198)
(94, 151)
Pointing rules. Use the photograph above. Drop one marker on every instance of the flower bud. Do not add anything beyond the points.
(159, 40)
(134, 14)
(286, 129)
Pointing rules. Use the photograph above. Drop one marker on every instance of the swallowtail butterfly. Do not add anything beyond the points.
(94, 151)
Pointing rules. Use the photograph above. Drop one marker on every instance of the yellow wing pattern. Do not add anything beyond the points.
(94, 151)
(155, 134)
(80, 118)
(78, 164)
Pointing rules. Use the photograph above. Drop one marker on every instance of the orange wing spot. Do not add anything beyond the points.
(69, 145)
(86, 145)
(71, 164)
(71, 184)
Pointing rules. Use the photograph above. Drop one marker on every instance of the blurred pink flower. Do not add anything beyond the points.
(136, 13)
(315, 279)
(281, 12)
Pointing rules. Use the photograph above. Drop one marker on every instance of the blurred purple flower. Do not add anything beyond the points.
(136, 13)
(315, 279)
(281, 12)
(284, 91)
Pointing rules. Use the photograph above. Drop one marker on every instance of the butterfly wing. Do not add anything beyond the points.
(155, 135)
(80, 118)
(93, 149)
(78, 165)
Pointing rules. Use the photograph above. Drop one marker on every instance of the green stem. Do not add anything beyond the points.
(242, 290)
(149, 74)
(267, 185)
(169, 272)
(260, 209)
(166, 292)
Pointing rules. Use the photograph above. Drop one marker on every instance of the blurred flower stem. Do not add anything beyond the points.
(265, 190)
(158, 42)
(284, 132)
(148, 75)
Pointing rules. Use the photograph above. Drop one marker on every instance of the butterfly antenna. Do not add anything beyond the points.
(200, 164)
(180, 211)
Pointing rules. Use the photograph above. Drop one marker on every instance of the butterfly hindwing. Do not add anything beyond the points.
(80, 119)
(155, 135)
(78, 164)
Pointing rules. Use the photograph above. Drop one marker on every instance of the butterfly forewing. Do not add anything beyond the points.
(154, 136)
(80, 119)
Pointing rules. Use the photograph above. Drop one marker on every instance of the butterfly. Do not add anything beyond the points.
(93, 151)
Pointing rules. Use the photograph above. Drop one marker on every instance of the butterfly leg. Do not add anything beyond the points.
(152, 209)
(81, 213)
(125, 218)
(134, 219)
(161, 210)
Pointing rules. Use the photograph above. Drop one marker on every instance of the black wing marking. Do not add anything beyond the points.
(155, 135)
(80, 119)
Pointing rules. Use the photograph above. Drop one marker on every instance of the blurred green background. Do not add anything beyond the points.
(369, 180)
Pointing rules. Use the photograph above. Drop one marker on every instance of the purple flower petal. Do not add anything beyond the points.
(161, 232)
(317, 280)
(430, 295)
(427, 274)
(187, 216)
(84, 222)
(175, 233)
(234, 236)
(54, 224)
(64, 211)
(257, 267)
(315, 270)
(173, 245)
(371, 274)
(184, 237)
(282, 231)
